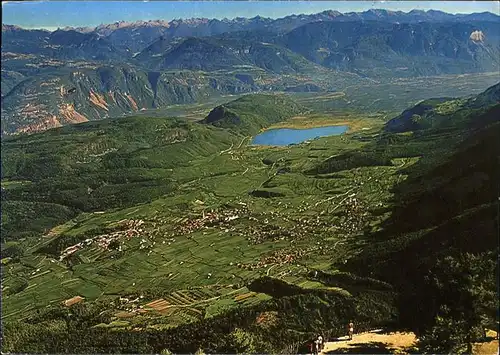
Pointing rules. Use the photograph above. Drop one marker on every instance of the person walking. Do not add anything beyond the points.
(316, 347)
(351, 330)
(320, 341)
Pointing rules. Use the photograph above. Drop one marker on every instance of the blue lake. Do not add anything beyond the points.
(286, 136)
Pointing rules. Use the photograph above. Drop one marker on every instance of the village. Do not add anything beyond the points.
(318, 227)
(128, 229)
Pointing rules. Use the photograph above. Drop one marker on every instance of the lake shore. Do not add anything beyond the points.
(354, 123)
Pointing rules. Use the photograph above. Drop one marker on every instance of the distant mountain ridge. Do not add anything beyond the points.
(373, 47)
(373, 37)
(372, 14)
(370, 48)
(145, 32)
(215, 53)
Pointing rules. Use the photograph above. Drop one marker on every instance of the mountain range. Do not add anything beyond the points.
(133, 37)
(137, 35)
(76, 74)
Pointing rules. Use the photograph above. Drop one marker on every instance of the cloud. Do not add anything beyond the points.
(48, 28)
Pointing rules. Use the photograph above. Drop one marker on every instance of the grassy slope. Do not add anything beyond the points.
(94, 166)
(448, 206)
(250, 114)
(433, 113)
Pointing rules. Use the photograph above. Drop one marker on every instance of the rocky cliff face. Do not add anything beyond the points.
(49, 101)
(392, 49)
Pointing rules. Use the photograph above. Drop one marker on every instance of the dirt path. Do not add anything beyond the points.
(379, 342)
(373, 342)
(488, 347)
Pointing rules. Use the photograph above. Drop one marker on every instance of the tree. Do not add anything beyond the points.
(114, 244)
(462, 295)
(13, 251)
(445, 335)
(416, 119)
(243, 342)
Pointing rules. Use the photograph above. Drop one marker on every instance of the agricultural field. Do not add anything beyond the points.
(191, 253)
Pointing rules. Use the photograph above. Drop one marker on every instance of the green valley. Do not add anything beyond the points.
(318, 183)
(159, 226)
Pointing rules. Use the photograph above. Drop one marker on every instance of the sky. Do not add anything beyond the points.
(53, 14)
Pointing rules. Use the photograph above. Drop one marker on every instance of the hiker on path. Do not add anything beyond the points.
(320, 341)
(351, 330)
(316, 346)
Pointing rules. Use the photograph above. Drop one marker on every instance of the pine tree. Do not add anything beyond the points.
(464, 302)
